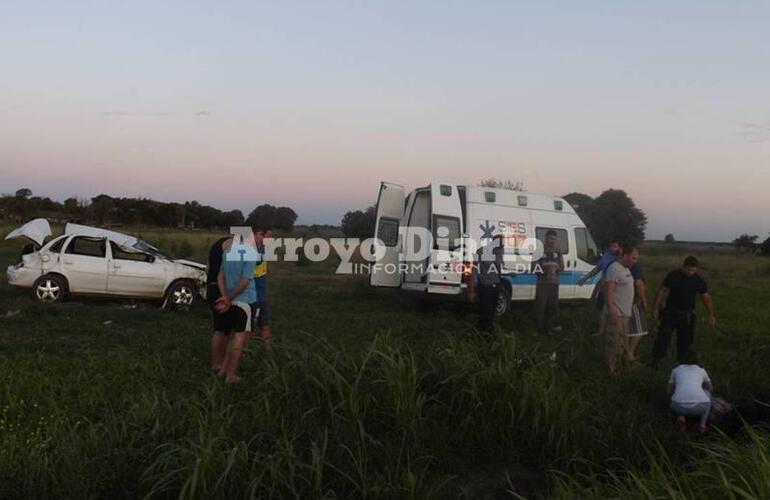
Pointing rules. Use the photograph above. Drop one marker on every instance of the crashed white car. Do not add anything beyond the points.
(92, 261)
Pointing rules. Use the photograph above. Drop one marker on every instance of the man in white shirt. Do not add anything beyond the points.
(690, 389)
(619, 292)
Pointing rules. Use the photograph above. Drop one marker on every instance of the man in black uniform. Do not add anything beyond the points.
(488, 281)
(681, 286)
(547, 269)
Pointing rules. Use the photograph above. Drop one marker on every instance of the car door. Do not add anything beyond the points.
(134, 273)
(587, 255)
(446, 259)
(84, 264)
(386, 270)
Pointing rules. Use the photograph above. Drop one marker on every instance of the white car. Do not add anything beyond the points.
(92, 261)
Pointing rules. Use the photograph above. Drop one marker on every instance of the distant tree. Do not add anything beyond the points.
(24, 193)
(612, 215)
(273, 217)
(746, 243)
(101, 206)
(499, 184)
(359, 223)
(669, 238)
(71, 206)
(285, 218)
(764, 247)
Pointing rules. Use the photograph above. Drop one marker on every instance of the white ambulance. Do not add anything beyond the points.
(461, 219)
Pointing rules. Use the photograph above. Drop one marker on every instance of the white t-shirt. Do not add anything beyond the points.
(688, 384)
(623, 295)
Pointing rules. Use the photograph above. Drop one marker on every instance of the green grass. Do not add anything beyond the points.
(366, 395)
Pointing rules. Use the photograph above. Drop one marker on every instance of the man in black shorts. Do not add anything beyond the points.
(681, 286)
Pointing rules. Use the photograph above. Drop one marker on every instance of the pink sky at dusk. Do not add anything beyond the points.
(311, 107)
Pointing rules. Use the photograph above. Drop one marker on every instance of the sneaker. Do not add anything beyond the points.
(681, 422)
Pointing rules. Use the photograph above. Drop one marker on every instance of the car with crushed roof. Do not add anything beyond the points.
(88, 260)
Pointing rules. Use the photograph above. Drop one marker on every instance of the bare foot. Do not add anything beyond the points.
(233, 380)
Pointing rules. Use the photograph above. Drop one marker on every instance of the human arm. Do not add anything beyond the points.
(641, 292)
(590, 274)
(612, 310)
(662, 293)
(561, 262)
(222, 303)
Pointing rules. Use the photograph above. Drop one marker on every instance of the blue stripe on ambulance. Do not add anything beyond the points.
(565, 278)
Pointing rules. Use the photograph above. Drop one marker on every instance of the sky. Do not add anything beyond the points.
(312, 104)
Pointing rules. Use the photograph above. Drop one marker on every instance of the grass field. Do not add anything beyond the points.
(368, 395)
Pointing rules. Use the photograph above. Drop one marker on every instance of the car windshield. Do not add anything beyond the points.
(145, 247)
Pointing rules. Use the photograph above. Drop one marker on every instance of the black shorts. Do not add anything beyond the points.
(241, 317)
(219, 320)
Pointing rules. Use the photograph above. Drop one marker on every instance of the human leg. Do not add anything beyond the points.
(552, 308)
(541, 303)
(685, 334)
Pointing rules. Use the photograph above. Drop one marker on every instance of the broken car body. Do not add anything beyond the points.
(93, 261)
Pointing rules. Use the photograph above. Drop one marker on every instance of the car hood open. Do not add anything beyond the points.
(36, 230)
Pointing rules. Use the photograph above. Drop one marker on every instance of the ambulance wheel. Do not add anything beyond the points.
(503, 300)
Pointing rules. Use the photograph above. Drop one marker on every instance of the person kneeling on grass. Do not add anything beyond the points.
(238, 301)
(690, 389)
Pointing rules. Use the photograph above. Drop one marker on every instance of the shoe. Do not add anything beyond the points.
(681, 422)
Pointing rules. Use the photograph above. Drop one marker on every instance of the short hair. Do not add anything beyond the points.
(615, 240)
(690, 261)
(550, 232)
(628, 250)
(690, 358)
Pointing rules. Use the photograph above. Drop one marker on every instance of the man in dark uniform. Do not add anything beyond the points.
(547, 268)
(488, 282)
(680, 286)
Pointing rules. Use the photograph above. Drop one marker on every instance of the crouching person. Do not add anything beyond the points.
(237, 302)
(690, 389)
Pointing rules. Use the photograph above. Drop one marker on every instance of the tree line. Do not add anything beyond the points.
(108, 210)
(748, 243)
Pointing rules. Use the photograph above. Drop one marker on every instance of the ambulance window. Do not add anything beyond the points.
(445, 190)
(489, 196)
(387, 231)
(446, 229)
(562, 238)
(586, 248)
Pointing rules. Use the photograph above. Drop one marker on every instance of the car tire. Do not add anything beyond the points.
(180, 296)
(503, 300)
(50, 288)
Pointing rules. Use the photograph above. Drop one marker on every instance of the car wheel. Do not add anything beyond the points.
(180, 295)
(50, 288)
(503, 300)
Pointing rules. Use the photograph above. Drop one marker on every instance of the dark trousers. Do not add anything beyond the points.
(546, 306)
(487, 297)
(684, 324)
